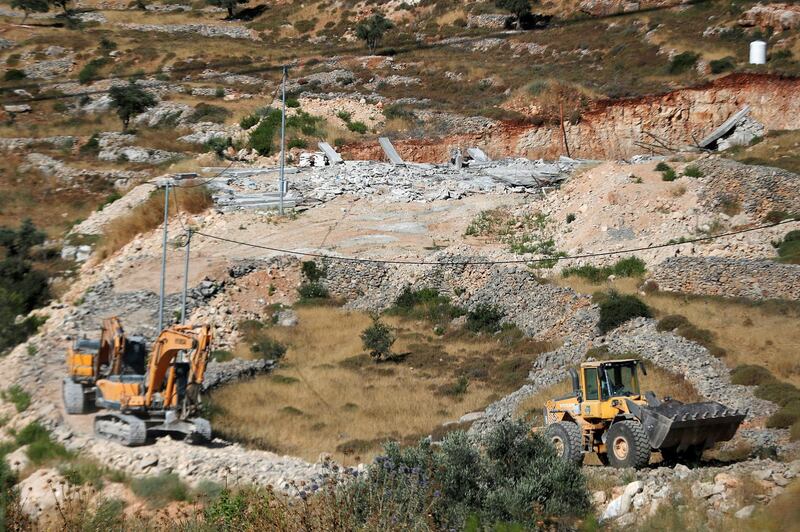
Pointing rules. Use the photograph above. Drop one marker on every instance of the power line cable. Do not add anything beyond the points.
(489, 263)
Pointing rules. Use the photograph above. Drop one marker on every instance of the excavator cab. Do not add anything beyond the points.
(163, 400)
(607, 414)
(89, 360)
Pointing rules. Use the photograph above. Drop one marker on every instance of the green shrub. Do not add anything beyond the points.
(663, 167)
(206, 112)
(397, 111)
(787, 416)
(751, 375)
(669, 175)
(297, 143)
(92, 146)
(357, 127)
(344, 116)
(219, 145)
(261, 138)
(249, 121)
(267, 348)
(484, 318)
(312, 291)
(208, 490)
(311, 271)
(571, 217)
(692, 171)
(18, 397)
(293, 103)
(14, 74)
(160, 490)
(41, 448)
(627, 267)
(780, 393)
(683, 62)
(777, 216)
(513, 478)
(616, 309)
(91, 70)
(789, 248)
(378, 339)
(725, 64)
(83, 472)
(671, 322)
(425, 304)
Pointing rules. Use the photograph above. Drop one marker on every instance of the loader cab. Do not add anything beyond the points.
(599, 382)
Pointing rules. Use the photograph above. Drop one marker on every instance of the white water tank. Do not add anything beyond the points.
(758, 53)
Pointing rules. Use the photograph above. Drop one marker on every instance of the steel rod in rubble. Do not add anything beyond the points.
(163, 261)
(282, 182)
(185, 276)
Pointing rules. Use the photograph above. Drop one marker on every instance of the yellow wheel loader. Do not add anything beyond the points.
(89, 360)
(607, 414)
(165, 399)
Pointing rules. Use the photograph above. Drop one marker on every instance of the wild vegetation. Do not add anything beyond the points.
(328, 380)
(150, 214)
(22, 286)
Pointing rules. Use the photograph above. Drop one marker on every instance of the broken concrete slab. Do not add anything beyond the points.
(738, 130)
(390, 152)
(330, 153)
(478, 154)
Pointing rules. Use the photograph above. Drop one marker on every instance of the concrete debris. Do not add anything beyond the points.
(308, 159)
(15, 109)
(330, 153)
(739, 130)
(390, 151)
(312, 185)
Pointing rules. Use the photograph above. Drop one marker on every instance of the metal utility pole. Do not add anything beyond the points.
(163, 261)
(282, 183)
(185, 276)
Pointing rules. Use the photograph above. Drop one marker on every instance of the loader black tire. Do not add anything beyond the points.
(627, 445)
(565, 436)
(74, 397)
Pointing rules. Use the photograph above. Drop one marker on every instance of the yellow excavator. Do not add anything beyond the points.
(608, 415)
(90, 360)
(163, 400)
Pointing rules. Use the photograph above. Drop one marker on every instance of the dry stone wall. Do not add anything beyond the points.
(717, 276)
(541, 310)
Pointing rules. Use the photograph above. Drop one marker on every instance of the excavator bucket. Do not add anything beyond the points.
(673, 425)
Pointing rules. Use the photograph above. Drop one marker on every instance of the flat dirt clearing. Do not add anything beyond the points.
(328, 395)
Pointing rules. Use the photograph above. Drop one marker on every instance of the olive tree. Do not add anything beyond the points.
(518, 8)
(230, 5)
(30, 6)
(129, 101)
(372, 29)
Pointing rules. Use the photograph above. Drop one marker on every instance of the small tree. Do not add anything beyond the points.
(230, 5)
(378, 339)
(518, 8)
(30, 6)
(372, 30)
(129, 101)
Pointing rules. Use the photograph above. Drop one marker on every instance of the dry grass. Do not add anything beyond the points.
(328, 396)
(149, 215)
(765, 334)
(778, 148)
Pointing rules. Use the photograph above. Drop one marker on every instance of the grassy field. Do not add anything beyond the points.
(329, 396)
(750, 333)
(778, 148)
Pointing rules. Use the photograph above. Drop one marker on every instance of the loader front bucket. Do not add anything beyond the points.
(677, 426)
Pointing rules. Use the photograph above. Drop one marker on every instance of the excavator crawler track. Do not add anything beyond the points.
(125, 429)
